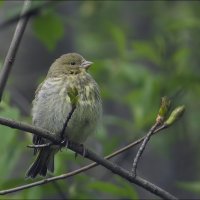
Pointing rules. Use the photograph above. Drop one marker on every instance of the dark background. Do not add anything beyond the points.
(142, 50)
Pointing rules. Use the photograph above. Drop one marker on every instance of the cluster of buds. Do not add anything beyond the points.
(164, 112)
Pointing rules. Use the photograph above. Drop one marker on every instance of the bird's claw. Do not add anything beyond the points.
(84, 151)
(64, 143)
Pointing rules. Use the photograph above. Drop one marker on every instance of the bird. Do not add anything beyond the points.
(67, 87)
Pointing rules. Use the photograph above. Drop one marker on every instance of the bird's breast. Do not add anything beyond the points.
(52, 105)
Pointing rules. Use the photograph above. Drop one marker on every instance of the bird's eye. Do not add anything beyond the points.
(72, 63)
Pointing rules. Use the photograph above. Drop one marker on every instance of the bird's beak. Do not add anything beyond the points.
(86, 64)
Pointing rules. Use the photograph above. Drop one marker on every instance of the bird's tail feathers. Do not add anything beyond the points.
(43, 162)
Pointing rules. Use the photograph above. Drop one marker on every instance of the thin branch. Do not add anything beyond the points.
(92, 156)
(70, 174)
(10, 57)
(160, 128)
(121, 171)
(142, 147)
(67, 120)
(28, 13)
(40, 145)
(28, 128)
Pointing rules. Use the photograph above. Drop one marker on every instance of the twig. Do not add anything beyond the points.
(160, 128)
(67, 175)
(28, 128)
(121, 172)
(10, 57)
(66, 122)
(90, 155)
(39, 145)
(75, 172)
(29, 13)
(142, 147)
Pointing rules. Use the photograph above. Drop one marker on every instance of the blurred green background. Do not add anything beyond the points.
(142, 50)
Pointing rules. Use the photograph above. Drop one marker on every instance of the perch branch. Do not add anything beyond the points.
(90, 155)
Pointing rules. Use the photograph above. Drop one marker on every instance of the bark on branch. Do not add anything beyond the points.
(10, 57)
(91, 156)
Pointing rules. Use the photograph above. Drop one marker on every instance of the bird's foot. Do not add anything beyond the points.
(83, 153)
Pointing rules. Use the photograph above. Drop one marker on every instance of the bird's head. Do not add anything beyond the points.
(71, 63)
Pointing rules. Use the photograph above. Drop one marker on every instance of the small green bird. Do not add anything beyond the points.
(67, 84)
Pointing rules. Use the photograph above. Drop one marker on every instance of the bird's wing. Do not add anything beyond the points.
(38, 88)
(37, 139)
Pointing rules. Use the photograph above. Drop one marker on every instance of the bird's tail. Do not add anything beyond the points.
(43, 162)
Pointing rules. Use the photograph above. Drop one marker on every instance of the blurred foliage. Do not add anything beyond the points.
(124, 191)
(1, 2)
(10, 139)
(142, 51)
(190, 186)
(51, 32)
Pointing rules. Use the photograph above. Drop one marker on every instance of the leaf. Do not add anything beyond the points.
(119, 36)
(190, 186)
(146, 50)
(112, 189)
(33, 193)
(73, 95)
(130, 189)
(48, 28)
(1, 2)
(8, 140)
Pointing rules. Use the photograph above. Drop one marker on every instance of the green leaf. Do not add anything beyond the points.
(119, 36)
(1, 2)
(49, 29)
(175, 115)
(73, 95)
(33, 193)
(164, 109)
(10, 155)
(112, 189)
(146, 50)
(130, 189)
(190, 186)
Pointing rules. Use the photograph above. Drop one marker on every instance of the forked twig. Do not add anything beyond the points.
(142, 147)
(111, 166)
(33, 146)
(67, 121)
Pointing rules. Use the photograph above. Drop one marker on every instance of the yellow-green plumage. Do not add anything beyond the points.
(67, 84)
